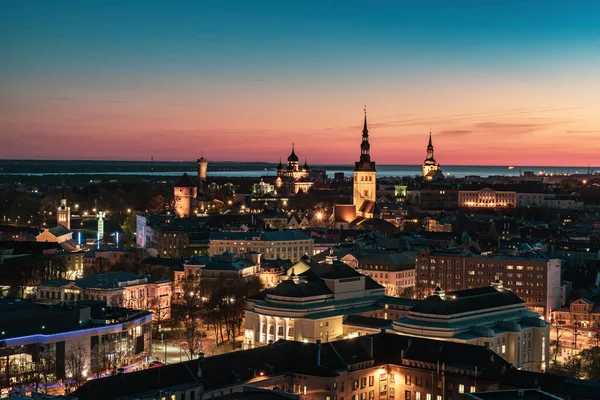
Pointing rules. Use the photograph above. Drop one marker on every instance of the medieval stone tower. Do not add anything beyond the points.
(185, 193)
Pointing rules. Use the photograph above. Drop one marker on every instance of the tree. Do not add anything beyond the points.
(45, 372)
(590, 363)
(191, 307)
(157, 205)
(159, 311)
(76, 368)
(555, 345)
(129, 226)
(407, 292)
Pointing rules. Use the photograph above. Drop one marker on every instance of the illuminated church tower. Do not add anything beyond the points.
(365, 184)
(431, 170)
(63, 212)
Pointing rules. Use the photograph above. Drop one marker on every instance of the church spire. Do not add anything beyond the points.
(430, 145)
(365, 147)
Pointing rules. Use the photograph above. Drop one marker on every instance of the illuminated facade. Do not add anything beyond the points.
(202, 175)
(293, 178)
(311, 302)
(431, 170)
(283, 245)
(116, 289)
(184, 195)
(365, 179)
(89, 331)
(492, 317)
(63, 213)
(487, 198)
(535, 280)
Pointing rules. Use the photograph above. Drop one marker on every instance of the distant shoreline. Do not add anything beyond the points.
(250, 169)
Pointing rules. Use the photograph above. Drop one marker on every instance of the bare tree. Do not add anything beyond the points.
(556, 345)
(159, 310)
(192, 309)
(76, 366)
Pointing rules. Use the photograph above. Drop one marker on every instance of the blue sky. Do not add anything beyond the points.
(247, 66)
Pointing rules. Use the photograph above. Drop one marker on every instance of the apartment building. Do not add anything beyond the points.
(535, 280)
(394, 271)
(282, 244)
(116, 289)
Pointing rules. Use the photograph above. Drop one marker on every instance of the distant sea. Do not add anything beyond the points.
(255, 170)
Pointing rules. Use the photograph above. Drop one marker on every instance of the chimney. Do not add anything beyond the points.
(318, 352)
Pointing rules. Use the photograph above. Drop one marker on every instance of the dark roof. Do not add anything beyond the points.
(59, 230)
(367, 322)
(19, 318)
(56, 282)
(467, 300)
(368, 206)
(304, 289)
(224, 370)
(107, 280)
(559, 385)
(31, 247)
(335, 270)
(255, 393)
(185, 181)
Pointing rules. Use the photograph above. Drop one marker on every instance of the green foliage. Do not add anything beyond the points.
(129, 225)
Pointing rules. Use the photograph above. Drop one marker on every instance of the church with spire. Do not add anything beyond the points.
(364, 190)
(292, 178)
(365, 178)
(431, 170)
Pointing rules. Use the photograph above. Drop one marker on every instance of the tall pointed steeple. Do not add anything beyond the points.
(430, 160)
(365, 147)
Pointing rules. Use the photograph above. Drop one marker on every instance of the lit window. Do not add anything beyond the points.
(472, 389)
(461, 388)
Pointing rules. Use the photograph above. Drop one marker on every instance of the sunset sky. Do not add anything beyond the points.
(497, 82)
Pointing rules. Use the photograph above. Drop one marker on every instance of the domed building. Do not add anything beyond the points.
(293, 178)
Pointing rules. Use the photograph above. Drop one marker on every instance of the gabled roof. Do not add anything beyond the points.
(368, 206)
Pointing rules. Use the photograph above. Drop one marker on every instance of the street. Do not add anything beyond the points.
(585, 340)
(174, 353)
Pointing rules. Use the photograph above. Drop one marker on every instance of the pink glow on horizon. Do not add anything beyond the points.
(486, 134)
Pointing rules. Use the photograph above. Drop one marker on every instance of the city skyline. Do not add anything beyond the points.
(496, 84)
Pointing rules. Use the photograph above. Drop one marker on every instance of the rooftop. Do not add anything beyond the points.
(469, 300)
